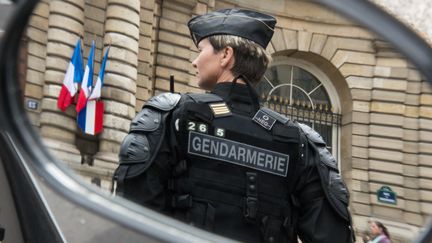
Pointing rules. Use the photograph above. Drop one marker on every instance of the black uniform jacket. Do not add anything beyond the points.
(317, 220)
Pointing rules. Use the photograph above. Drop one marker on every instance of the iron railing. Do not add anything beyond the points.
(321, 117)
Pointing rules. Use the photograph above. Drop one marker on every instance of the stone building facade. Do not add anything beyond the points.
(384, 107)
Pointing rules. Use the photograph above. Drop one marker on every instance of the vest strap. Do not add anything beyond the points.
(119, 178)
(290, 222)
(251, 206)
(209, 217)
(271, 229)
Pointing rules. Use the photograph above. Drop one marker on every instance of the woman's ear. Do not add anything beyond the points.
(227, 57)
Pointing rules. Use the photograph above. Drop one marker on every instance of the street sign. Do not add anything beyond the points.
(386, 195)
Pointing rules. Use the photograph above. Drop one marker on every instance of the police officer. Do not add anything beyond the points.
(221, 162)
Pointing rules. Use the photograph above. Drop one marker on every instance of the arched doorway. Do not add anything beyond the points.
(302, 92)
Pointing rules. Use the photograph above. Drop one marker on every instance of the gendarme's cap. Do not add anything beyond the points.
(254, 26)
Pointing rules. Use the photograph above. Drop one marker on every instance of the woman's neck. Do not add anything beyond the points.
(229, 77)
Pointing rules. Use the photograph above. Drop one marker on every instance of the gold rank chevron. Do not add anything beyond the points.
(220, 109)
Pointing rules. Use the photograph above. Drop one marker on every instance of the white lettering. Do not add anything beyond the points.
(251, 156)
(223, 149)
(214, 148)
(260, 159)
(202, 128)
(265, 123)
(205, 145)
(241, 154)
(191, 126)
(238, 153)
(268, 161)
(281, 164)
(196, 143)
(232, 153)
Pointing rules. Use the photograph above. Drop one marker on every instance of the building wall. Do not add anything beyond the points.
(386, 106)
(412, 12)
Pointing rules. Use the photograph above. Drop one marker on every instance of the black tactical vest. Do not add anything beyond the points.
(235, 175)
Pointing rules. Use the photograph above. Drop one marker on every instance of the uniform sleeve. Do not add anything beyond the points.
(317, 220)
(146, 162)
(145, 157)
(150, 187)
(321, 194)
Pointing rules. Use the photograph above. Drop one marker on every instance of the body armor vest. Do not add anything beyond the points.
(234, 167)
(229, 169)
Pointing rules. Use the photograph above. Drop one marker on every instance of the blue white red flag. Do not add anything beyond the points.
(74, 74)
(87, 82)
(96, 93)
(90, 118)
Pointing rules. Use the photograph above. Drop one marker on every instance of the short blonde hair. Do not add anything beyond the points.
(251, 59)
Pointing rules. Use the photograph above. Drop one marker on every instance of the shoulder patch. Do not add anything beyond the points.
(147, 120)
(220, 109)
(280, 118)
(164, 102)
(266, 118)
(311, 134)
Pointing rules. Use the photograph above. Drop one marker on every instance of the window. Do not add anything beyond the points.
(303, 93)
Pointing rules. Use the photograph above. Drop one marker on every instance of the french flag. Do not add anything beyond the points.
(87, 82)
(90, 118)
(74, 74)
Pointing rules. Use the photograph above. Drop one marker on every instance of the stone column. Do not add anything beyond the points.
(65, 26)
(122, 32)
(147, 49)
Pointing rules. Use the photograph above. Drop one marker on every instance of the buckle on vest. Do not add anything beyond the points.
(182, 201)
(251, 208)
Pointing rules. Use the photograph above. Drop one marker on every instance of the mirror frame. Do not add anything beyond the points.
(22, 150)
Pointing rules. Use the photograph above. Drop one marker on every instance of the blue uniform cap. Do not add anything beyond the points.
(252, 25)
